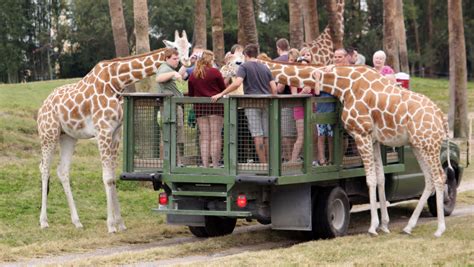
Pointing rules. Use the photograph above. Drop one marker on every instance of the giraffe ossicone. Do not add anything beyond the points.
(92, 108)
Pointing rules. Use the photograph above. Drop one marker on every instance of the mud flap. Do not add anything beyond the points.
(291, 207)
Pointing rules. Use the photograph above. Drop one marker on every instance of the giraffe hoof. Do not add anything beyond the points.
(78, 225)
(44, 225)
(438, 234)
(112, 230)
(373, 233)
(122, 227)
(384, 229)
(406, 231)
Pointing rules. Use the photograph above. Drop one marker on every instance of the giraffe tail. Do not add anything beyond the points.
(448, 156)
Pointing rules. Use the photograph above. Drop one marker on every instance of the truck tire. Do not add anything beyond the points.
(331, 214)
(198, 231)
(450, 194)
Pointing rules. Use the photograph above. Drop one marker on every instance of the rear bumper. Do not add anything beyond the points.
(155, 178)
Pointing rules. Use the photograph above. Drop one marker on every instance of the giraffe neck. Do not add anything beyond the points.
(335, 84)
(121, 72)
(292, 74)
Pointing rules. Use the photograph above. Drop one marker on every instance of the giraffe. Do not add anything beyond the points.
(92, 108)
(322, 48)
(378, 111)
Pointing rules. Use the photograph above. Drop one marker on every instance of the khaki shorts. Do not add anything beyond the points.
(257, 119)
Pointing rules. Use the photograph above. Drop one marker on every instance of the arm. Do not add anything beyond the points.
(294, 90)
(273, 87)
(232, 87)
(164, 77)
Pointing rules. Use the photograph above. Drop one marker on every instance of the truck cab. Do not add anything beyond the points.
(162, 145)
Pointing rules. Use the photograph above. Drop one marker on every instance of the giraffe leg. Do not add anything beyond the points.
(67, 145)
(365, 147)
(47, 150)
(108, 150)
(381, 188)
(439, 179)
(426, 192)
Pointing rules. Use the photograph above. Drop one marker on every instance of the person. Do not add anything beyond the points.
(257, 79)
(206, 81)
(166, 77)
(298, 112)
(378, 59)
(355, 58)
(186, 71)
(325, 131)
(288, 126)
(235, 49)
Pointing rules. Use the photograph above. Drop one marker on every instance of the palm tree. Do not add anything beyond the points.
(457, 70)
(296, 23)
(118, 28)
(311, 20)
(389, 34)
(217, 31)
(402, 38)
(247, 25)
(199, 36)
(335, 24)
(140, 16)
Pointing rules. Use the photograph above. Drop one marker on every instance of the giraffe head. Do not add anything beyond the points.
(182, 45)
(233, 63)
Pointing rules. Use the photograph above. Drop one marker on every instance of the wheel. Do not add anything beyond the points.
(214, 226)
(218, 226)
(198, 231)
(450, 194)
(330, 213)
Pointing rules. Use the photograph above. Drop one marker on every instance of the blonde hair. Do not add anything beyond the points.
(203, 63)
(293, 53)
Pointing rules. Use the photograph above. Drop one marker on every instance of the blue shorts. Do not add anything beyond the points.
(325, 130)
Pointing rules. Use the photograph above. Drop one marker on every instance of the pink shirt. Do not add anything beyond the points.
(386, 70)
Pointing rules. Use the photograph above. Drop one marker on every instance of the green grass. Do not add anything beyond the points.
(20, 185)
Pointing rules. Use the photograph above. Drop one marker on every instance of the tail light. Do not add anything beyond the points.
(241, 201)
(163, 199)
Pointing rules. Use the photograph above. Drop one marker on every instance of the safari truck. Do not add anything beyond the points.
(162, 145)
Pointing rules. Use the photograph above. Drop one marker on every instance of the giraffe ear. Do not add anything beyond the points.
(169, 44)
(184, 35)
(176, 35)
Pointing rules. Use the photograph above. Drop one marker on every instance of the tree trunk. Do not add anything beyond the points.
(416, 67)
(120, 33)
(457, 70)
(140, 16)
(389, 34)
(118, 28)
(311, 20)
(217, 31)
(247, 23)
(200, 36)
(402, 38)
(296, 23)
(429, 66)
(336, 25)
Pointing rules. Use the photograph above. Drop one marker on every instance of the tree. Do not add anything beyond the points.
(217, 31)
(335, 23)
(311, 20)
(140, 14)
(457, 70)
(401, 38)
(199, 36)
(118, 28)
(390, 44)
(247, 23)
(296, 23)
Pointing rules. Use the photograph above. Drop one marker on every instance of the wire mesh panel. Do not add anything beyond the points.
(147, 132)
(199, 135)
(292, 135)
(252, 135)
(351, 156)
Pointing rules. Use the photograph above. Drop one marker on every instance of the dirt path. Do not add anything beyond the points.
(359, 213)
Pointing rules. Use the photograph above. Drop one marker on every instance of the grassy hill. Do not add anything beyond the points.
(20, 183)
